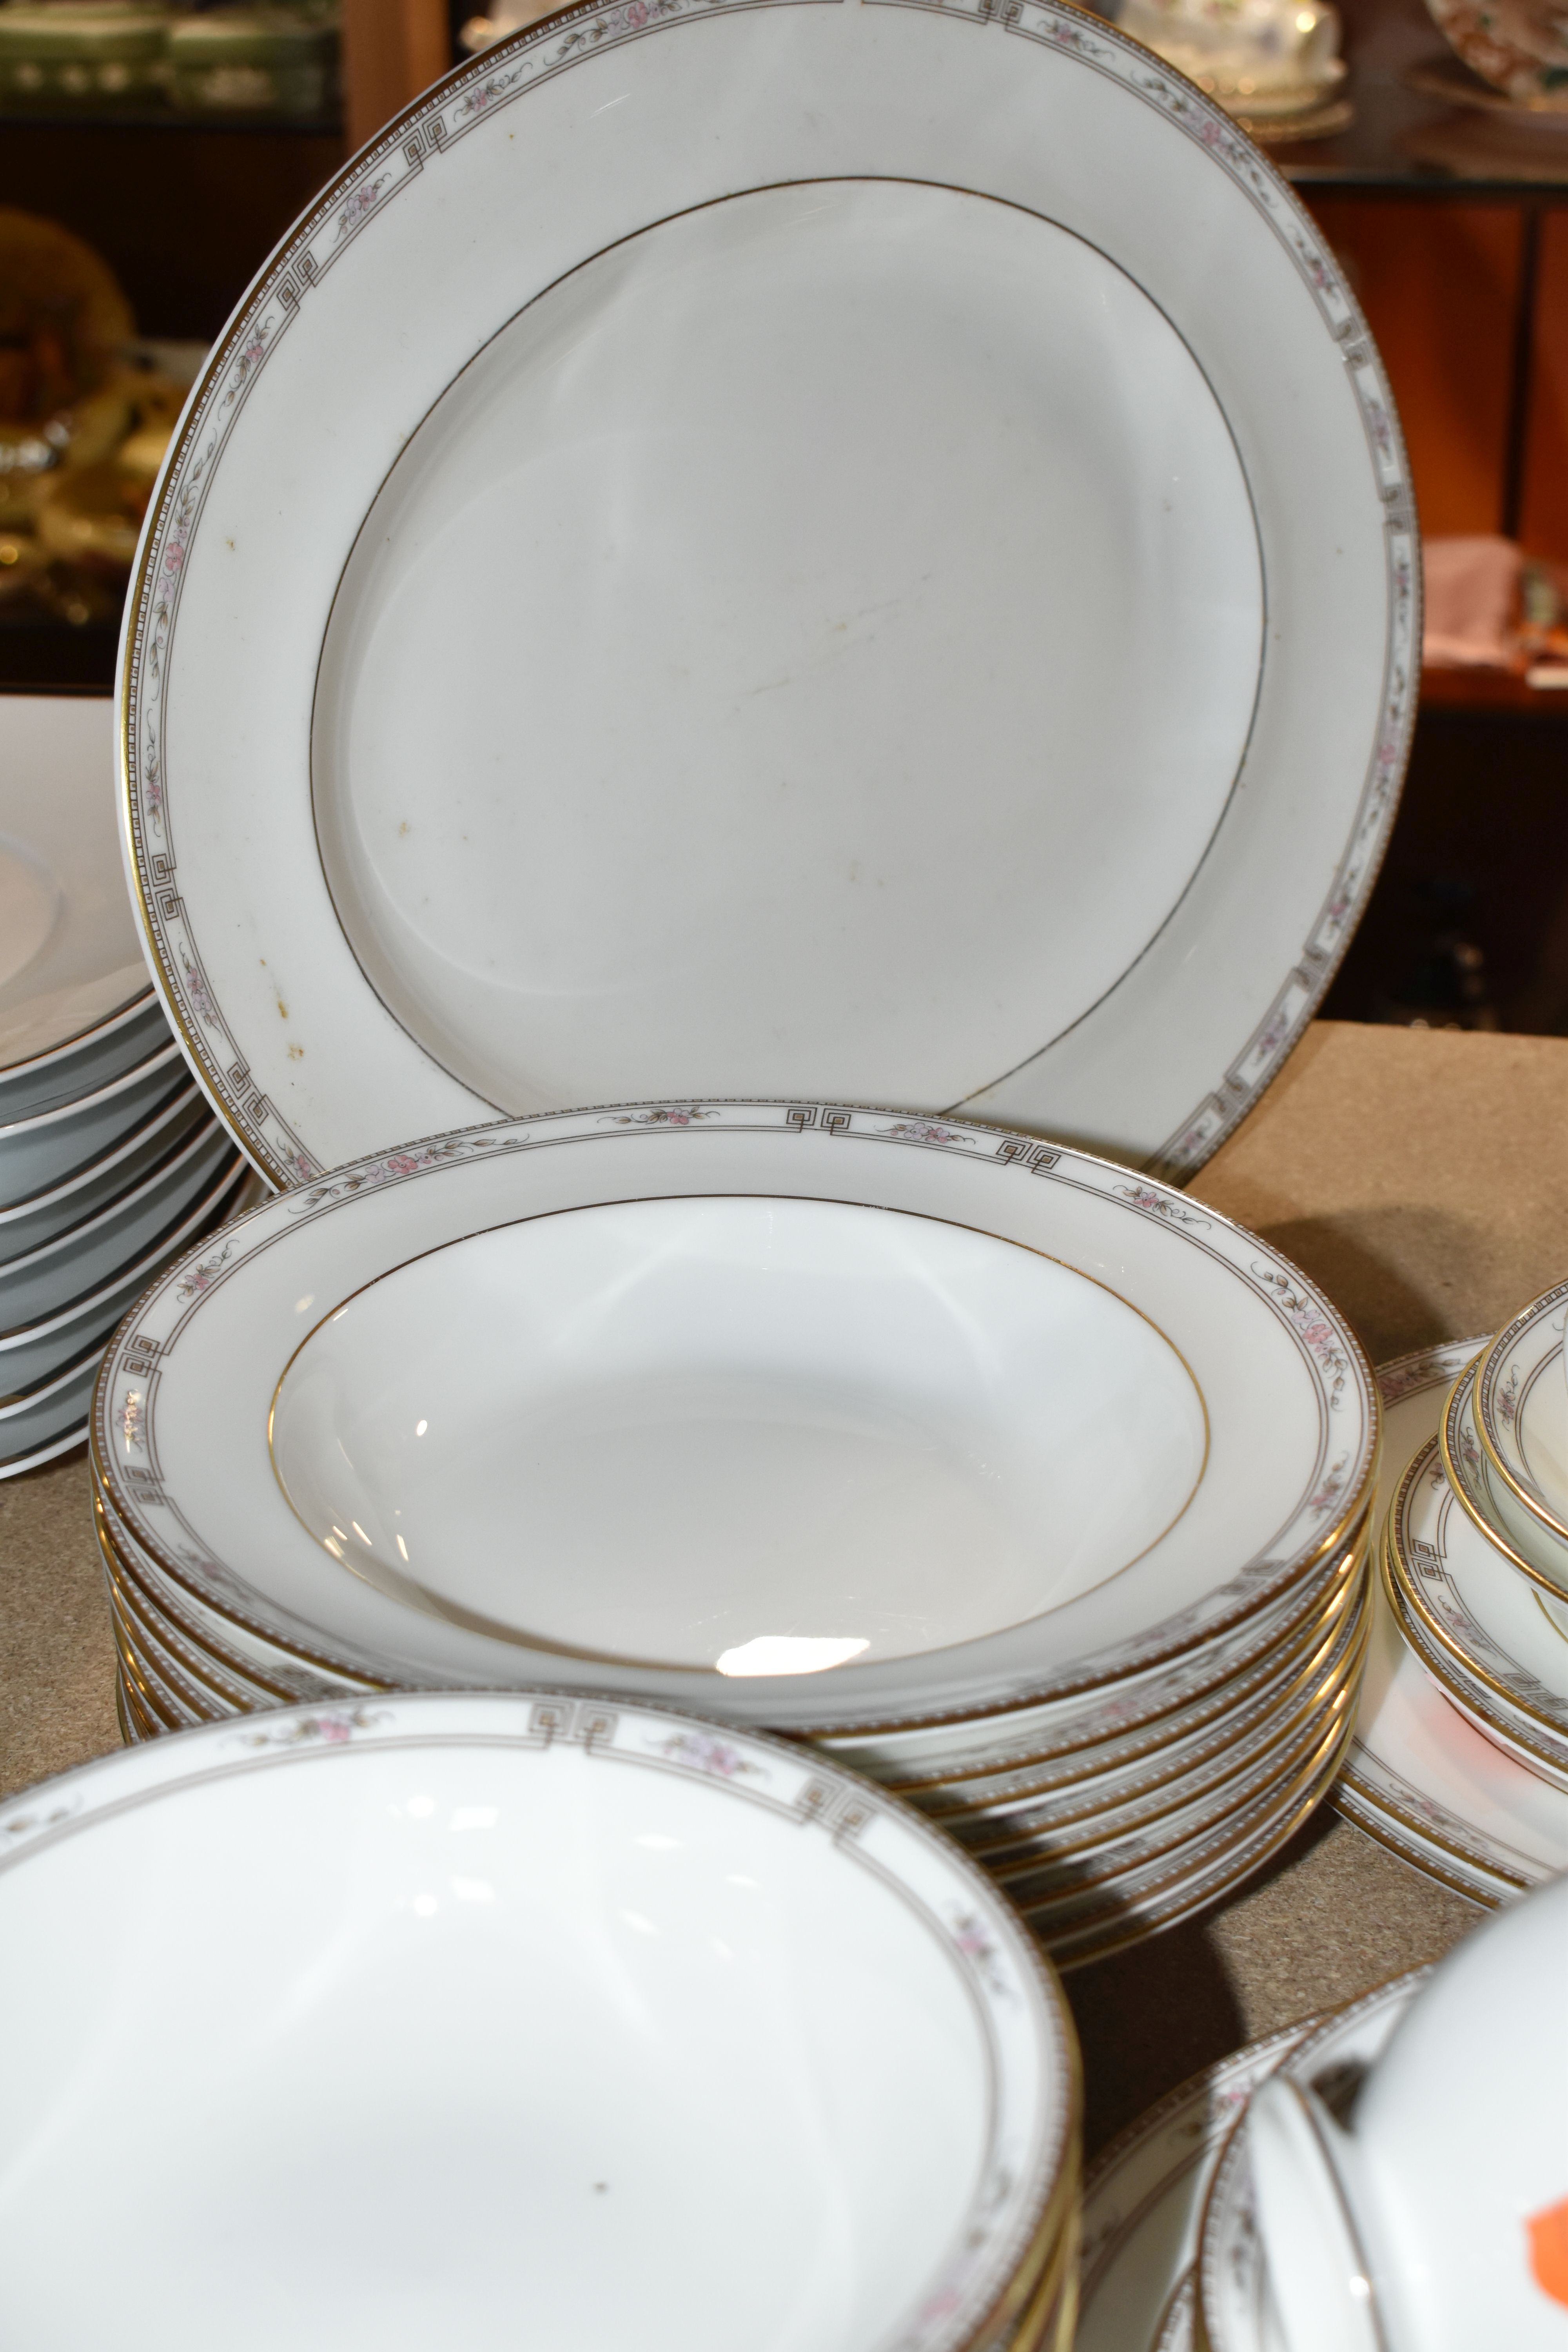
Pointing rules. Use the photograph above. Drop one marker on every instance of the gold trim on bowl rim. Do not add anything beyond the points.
(1479, 1420)
(1294, 1730)
(1408, 1586)
(1457, 1406)
(1077, 1948)
(1437, 1663)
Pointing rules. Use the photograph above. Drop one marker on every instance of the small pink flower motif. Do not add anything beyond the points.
(675, 1115)
(174, 555)
(297, 1165)
(706, 1754)
(202, 1277)
(945, 2301)
(924, 1132)
(404, 1163)
(201, 995)
(333, 1729)
(637, 15)
(362, 202)
(976, 1942)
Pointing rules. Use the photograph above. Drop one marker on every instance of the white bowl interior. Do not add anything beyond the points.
(760, 1435)
(432, 2036)
(729, 815)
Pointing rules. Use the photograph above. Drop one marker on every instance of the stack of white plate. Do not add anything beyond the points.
(109, 1160)
(1035, 1491)
(483, 2021)
(1460, 1757)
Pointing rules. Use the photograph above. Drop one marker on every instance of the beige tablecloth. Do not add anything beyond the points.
(1421, 1178)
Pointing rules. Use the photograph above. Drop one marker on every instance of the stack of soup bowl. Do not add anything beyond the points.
(483, 2019)
(1461, 1758)
(109, 1160)
(1025, 1486)
(1415, 2197)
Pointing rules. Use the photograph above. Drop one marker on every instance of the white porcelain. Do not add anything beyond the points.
(86, 1063)
(225, 1689)
(1319, 2274)
(694, 2041)
(228, 1629)
(1521, 1416)
(991, 1811)
(1499, 1514)
(74, 1002)
(1418, 1776)
(708, 1375)
(1475, 2069)
(30, 1352)
(1196, 1790)
(1151, 1849)
(1078, 1788)
(38, 1153)
(1087, 1924)
(1058, 1892)
(1024, 1747)
(1143, 2198)
(47, 1419)
(1238, 2292)
(1499, 1649)
(88, 1253)
(791, 615)
(43, 1217)
(1290, 1419)
(1465, 1690)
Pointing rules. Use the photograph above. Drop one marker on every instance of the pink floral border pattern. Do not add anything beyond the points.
(455, 109)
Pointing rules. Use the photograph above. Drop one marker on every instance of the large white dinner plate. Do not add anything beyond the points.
(186, 1407)
(1419, 1775)
(75, 1008)
(836, 545)
(601, 2017)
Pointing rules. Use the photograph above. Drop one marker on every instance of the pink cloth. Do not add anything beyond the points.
(1472, 604)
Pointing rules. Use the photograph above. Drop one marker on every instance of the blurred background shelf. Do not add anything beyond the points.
(1454, 235)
